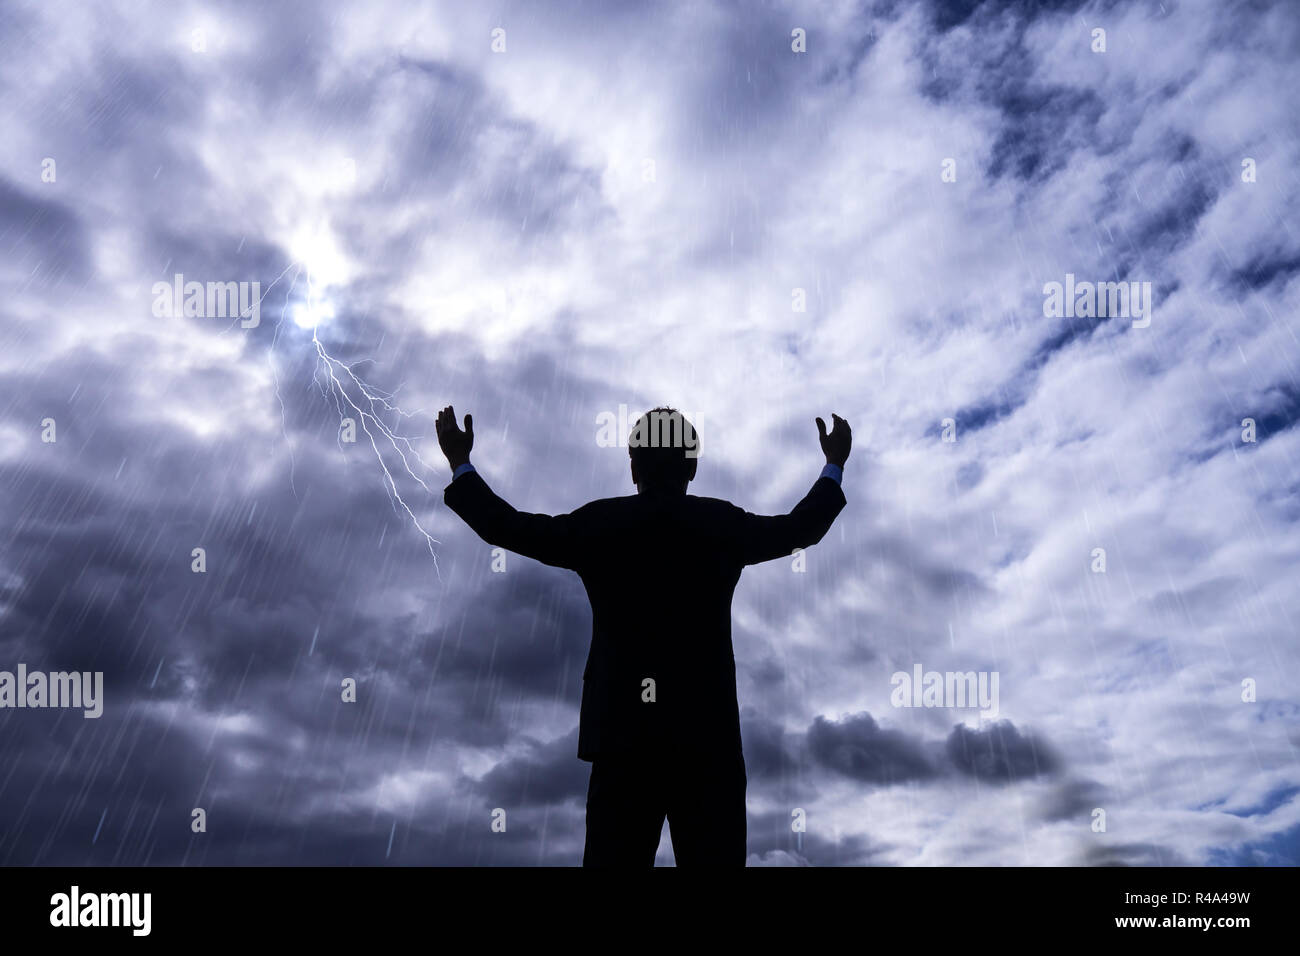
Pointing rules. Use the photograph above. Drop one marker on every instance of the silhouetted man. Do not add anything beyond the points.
(659, 720)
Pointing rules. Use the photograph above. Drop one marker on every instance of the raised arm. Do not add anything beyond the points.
(767, 537)
(550, 539)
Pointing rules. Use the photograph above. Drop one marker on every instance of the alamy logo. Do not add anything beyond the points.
(56, 689)
(1099, 300)
(208, 300)
(102, 909)
(924, 688)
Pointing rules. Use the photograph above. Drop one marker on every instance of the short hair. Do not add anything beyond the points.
(661, 446)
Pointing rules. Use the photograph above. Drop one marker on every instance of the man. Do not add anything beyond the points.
(659, 720)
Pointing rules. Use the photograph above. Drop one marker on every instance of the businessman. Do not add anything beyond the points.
(659, 721)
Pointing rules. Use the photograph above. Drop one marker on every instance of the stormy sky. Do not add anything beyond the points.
(542, 212)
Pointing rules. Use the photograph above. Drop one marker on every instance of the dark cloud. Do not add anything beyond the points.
(949, 14)
(549, 773)
(999, 754)
(859, 748)
(1261, 273)
(1131, 854)
(774, 842)
(770, 752)
(40, 237)
(1074, 801)
(1043, 129)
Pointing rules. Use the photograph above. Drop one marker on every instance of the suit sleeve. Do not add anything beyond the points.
(764, 538)
(551, 539)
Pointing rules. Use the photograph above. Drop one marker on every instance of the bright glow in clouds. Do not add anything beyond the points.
(324, 265)
(316, 248)
(312, 313)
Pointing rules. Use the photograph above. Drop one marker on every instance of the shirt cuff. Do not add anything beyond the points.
(834, 472)
(461, 469)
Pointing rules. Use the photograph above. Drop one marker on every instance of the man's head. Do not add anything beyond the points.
(664, 449)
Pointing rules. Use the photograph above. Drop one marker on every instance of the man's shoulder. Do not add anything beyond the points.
(635, 501)
(606, 505)
(712, 504)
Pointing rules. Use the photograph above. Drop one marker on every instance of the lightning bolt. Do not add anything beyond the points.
(333, 377)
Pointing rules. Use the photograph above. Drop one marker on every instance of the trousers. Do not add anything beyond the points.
(702, 796)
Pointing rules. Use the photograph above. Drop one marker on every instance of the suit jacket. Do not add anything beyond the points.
(660, 571)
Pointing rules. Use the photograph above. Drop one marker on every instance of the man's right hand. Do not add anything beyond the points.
(837, 444)
(455, 444)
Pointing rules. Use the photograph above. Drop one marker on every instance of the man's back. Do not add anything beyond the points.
(660, 571)
(660, 586)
